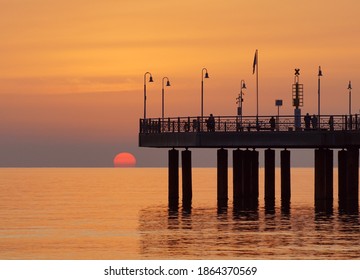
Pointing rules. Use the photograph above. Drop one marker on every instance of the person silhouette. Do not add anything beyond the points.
(272, 123)
(211, 123)
(307, 120)
(331, 123)
(195, 125)
(314, 121)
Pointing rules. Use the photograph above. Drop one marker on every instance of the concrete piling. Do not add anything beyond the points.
(173, 176)
(285, 176)
(342, 178)
(352, 179)
(186, 179)
(222, 177)
(255, 176)
(323, 180)
(246, 179)
(269, 174)
(269, 180)
(238, 175)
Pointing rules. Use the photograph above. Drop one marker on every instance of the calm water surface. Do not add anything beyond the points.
(60, 213)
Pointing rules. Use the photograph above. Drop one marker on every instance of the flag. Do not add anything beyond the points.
(255, 61)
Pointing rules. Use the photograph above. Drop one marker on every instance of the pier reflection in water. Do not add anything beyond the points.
(270, 230)
(207, 233)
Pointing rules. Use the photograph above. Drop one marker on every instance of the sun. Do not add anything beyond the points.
(124, 160)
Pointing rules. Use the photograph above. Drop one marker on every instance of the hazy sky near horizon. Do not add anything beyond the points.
(71, 76)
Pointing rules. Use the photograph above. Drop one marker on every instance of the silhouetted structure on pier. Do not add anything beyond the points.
(245, 135)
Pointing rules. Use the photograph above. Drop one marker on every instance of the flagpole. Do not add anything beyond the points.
(256, 65)
(257, 88)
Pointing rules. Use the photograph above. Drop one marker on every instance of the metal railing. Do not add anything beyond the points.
(248, 124)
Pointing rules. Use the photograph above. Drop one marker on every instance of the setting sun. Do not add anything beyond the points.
(124, 160)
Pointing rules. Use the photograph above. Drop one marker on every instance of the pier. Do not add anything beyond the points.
(244, 135)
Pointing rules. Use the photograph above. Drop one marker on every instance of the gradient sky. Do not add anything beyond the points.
(71, 76)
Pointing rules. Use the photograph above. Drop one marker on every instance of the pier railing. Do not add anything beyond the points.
(248, 124)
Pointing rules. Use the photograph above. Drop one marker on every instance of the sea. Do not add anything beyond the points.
(122, 214)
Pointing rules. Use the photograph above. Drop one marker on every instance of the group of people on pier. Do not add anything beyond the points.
(310, 120)
(313, 120)
(311, 123)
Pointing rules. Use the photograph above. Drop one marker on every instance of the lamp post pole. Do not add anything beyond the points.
(319, 75)
(206, 76)
(349, 88)
(242, 86)
(150, 81)
(278, 103)
(162, 96)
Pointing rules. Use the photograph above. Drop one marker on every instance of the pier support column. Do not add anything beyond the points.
(323, 180)
(269, 174)
(342, 178)
(348, 178)
(247, 168)
(245, 179)
(329, 175)
(238, 182)
(255, 177)
(285, 177)
(222, 177)
(319, 174)
(186, 178)
(173, 175)
(352, 182)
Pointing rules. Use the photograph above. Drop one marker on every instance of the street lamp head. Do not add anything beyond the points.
(206, 75)
(150, 81)
(243, 85)
(150, 77)
(349, 86)
(320, 72)
(167, 82)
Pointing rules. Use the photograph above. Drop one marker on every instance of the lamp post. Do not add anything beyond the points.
(162, 95)
(150, 81)
(278, 103)
(206, 76)
(319, 75)
(240, 100)
(349, 88)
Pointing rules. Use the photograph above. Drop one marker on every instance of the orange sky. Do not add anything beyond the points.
(71, 76)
